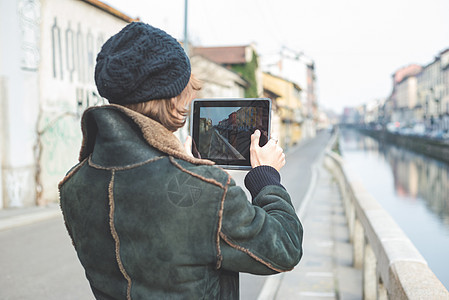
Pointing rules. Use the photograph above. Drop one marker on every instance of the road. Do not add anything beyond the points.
(38, 260)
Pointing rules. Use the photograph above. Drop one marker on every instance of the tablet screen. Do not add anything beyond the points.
(221, 129)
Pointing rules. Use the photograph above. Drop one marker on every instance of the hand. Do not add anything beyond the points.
(269, 155)
(188, 145)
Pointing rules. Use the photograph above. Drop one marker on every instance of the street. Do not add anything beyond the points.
(39, 262)
(295, 177)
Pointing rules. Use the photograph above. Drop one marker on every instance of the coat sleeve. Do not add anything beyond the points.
(262, 237)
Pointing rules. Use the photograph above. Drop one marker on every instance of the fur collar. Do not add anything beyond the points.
(154, 133)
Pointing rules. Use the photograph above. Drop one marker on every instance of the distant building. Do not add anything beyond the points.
(444, 56)
(217, 81)
(276, 122)
(419, 99)
(350, 116)
(288, 107)
(404, 92)
(298, 68)
(433, 92)
(241, 59)
(374, 113)
(407, 107)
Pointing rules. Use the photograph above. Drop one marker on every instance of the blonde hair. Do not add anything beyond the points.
(170, 112)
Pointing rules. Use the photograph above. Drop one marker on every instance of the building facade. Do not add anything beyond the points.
(217, 81)
(419, 100)
(433, 92)
(47, 58)
(243, 60)
(408, 110)
(288, 107)
(298, 68)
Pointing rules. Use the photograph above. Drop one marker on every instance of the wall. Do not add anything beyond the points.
(289, 109)
(2, 140)
(218, 82)
(47, 56)
(406, 97)
(72, 33)
(19, 59)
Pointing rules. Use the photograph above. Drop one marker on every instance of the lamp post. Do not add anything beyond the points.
(186, 36)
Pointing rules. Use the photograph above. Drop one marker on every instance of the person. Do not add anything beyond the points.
(147, 219)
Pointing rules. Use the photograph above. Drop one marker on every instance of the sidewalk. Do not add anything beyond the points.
(13, 217)
(325, 271)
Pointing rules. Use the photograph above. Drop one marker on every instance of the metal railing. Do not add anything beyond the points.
(391, 265)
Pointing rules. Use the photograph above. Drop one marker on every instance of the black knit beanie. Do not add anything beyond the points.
(141, 63)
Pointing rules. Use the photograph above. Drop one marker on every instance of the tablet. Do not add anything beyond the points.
(221, 129)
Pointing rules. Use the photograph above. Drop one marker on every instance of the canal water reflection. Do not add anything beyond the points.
(412, 187)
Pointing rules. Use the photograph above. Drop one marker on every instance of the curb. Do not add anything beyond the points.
(29, 218)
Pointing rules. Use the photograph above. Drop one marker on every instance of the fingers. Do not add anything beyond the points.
(255, 139)
(278, 155)
(254, 149)
(282, 160)
(271, 154)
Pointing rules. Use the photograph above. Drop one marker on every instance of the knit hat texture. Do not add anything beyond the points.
(141, 63)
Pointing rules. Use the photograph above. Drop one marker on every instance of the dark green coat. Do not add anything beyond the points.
(150, 222)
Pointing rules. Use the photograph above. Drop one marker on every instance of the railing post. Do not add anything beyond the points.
(369, 274)
(358, 243)
(381, 291)
(350, 211)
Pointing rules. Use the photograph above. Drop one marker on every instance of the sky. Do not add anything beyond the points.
(356, 44)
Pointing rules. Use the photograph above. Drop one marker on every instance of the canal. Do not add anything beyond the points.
(412, 187)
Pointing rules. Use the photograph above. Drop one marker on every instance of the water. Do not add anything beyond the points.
(413, 188)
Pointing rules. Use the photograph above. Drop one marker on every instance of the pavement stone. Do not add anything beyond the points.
(325, 271)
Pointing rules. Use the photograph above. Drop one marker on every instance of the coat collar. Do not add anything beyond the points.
(154, 133)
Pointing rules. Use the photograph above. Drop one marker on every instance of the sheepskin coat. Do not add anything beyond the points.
(148, 221)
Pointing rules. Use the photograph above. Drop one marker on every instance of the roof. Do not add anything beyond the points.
(444, 51)
(223, 55)
(237, 78)
(283, 79)
(271, 94)
(410, 70)
(104, 7)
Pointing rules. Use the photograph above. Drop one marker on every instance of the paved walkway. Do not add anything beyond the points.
(325, 271)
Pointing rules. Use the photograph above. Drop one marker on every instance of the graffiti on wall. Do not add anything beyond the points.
(17, 193)
(86, 97)
(78, 60)
(72, 48)
(60, 139)
(74, 51)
